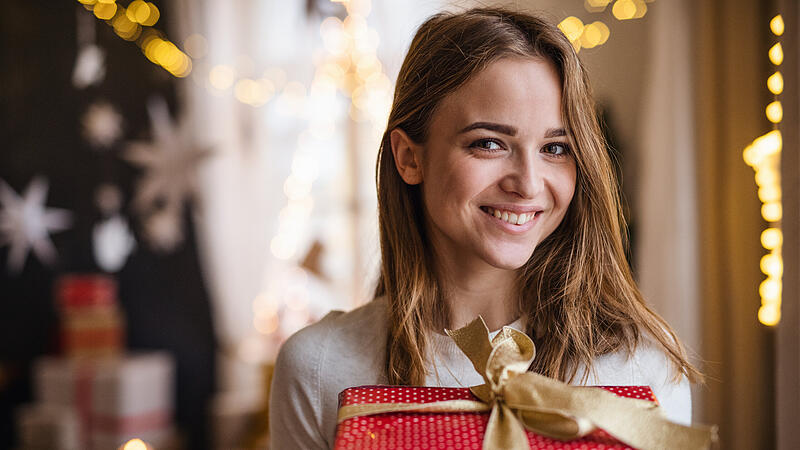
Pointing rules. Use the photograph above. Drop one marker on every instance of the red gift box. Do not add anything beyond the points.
(457, 430)
(86, 290)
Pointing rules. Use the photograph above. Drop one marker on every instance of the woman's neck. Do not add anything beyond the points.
(483, 291)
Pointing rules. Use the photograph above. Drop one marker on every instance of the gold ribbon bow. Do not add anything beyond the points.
(519, 399)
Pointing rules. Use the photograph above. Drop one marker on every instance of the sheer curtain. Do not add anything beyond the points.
(288, 225)
(699, 243)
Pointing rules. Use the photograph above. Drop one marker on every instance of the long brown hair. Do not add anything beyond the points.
(577, 293)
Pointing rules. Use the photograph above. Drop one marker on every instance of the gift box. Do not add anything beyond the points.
(49, 427)
(85, 290)
(515, 409)
(92, 324)
(463, 430)
(114, 399)
(92, 333)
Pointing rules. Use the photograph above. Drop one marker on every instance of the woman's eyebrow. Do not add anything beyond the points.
(509, 130)
(498, 127)
(555, 132)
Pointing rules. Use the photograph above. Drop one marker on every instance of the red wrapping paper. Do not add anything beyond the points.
(446, 430)
(86, 290)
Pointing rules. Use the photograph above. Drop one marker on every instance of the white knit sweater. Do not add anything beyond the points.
(348, 349)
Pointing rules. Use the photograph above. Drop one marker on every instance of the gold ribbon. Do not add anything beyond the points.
(519, 400)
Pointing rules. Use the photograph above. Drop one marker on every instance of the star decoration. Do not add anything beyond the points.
(170, 164)
(25, 223)
(102, 125)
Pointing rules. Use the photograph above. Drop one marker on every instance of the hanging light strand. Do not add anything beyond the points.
(764, 156)
(135, 23)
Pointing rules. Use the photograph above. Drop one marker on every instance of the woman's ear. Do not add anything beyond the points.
(406, 156)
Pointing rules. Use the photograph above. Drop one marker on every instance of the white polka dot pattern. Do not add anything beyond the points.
(445, 431)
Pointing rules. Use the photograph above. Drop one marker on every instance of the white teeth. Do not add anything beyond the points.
(509, 217)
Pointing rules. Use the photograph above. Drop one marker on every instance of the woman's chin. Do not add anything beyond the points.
(512, 261)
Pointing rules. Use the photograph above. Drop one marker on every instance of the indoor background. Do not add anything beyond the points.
(203, 172)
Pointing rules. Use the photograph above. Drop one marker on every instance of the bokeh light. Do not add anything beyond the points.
(776, 54)
(774, 112)
(775, 83)
(771, 238)
(105, 11)
(772, 212)
(776, 25)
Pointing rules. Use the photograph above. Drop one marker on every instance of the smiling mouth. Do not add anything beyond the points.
(510, 217)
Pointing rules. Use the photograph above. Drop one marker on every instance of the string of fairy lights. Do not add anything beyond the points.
(764, 156)
(135, 23)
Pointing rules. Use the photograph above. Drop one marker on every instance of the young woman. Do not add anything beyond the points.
(496, 197)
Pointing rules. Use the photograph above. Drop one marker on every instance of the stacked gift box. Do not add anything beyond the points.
(95, 395)
(91, 321)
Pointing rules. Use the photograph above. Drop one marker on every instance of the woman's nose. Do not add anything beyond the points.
(525, 177)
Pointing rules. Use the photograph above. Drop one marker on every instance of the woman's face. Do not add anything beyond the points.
(497, 170)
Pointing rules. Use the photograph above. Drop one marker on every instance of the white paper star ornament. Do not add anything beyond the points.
(25, 224)
(170, 165)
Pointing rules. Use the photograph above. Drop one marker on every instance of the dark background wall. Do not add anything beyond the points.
(162, 295)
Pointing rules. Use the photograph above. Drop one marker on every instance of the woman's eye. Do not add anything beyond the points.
(556, 149)
(487, 144)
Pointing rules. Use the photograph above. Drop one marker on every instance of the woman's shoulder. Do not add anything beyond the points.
(338, 329)
(341, 350)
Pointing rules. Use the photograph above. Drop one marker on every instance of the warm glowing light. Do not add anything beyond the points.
(126, 29)
(775, 83)
(596, 6)
(769, 193)
(762, 148)
(594, 34)
(770, 289)
(221, 77)
(572, 27)
(282, 247)
(771, 238)
(247, 91)
(766, 175)
(774, 112)
(769, 315)
(776, 25)
(772, 265)
(153, 15)
(764, 156)
(629, 9)
(87, 2)
(776, 54)
(772, 212)
(266, 322)
(138, 11)
(105, 11)
(135, 444)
